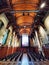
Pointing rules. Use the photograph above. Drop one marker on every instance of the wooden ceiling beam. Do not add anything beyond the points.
(9, 3)
(17, 3)
(5, 10)
(17, 11)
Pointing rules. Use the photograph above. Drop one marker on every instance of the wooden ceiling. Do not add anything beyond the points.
(25, 19)
(23, 14)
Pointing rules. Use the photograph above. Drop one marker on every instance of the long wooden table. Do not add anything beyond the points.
(30, 63)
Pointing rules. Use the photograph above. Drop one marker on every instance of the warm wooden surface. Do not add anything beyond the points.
(15, 63)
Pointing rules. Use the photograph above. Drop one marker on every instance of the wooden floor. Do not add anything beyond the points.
(42, 63)
(15, 63)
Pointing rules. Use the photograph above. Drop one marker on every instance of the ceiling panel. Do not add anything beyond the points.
(25, 18)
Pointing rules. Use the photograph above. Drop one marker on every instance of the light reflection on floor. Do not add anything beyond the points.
(25, 60)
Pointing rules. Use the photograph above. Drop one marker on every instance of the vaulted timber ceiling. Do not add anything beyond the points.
(25, 13)
(24, 18)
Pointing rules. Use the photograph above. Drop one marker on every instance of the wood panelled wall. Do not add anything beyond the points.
(5, 51)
